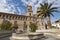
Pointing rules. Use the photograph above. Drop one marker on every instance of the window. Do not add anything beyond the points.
(16, 17)
(7, 16)
(24, 22)
(3, 16)
(30, 14)
(10, 16)
(15, 22)
(0, 15)
(13, 17)
(28, 8)
(21, 18)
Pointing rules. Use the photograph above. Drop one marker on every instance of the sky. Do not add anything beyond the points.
(19, 6)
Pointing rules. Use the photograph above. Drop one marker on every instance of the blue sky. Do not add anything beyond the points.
(19, 6)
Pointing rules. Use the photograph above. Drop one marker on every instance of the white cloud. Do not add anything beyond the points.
(5, 7)
(19, 10)
(32, 3)
(10, 8)
(50, 1)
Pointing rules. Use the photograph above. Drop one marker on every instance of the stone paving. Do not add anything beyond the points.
(45, 38)
(48, 36)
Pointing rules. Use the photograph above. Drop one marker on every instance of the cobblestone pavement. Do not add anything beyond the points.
(49, 38)
(45, 38)
(6, 38)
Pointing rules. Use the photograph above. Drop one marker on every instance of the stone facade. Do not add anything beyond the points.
(20, 18)
(14, 17)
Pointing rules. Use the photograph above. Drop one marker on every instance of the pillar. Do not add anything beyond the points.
(28, 23)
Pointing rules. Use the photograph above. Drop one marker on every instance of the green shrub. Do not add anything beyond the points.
(33, 27)
(6, 25)
(15, 26)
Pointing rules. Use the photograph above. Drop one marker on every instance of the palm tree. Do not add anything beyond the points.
(46, 12)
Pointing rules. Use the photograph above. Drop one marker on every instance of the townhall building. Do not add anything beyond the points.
(21, 19)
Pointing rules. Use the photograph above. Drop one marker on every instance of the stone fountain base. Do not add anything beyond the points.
(27, 36)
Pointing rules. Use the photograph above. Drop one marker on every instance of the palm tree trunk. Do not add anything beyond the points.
(48, 22)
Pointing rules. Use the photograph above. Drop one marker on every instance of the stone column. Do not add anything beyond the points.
(28, 29)
(28, 23)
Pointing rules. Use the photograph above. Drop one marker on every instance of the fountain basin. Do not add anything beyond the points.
(27, 36)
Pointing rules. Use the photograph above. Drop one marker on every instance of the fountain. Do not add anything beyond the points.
(26, 35)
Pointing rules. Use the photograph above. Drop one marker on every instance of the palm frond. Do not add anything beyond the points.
(54, 11)
(51, 14)
(47, 9)
(38, 11)
(53, 8)
(45, 5)
(50, 5)
(41, 5)
(39, 14)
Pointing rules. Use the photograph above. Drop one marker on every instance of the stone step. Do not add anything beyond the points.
(5, 35)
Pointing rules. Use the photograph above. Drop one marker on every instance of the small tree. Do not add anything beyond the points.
(6, 25)
(33, 27)
(15, 25)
